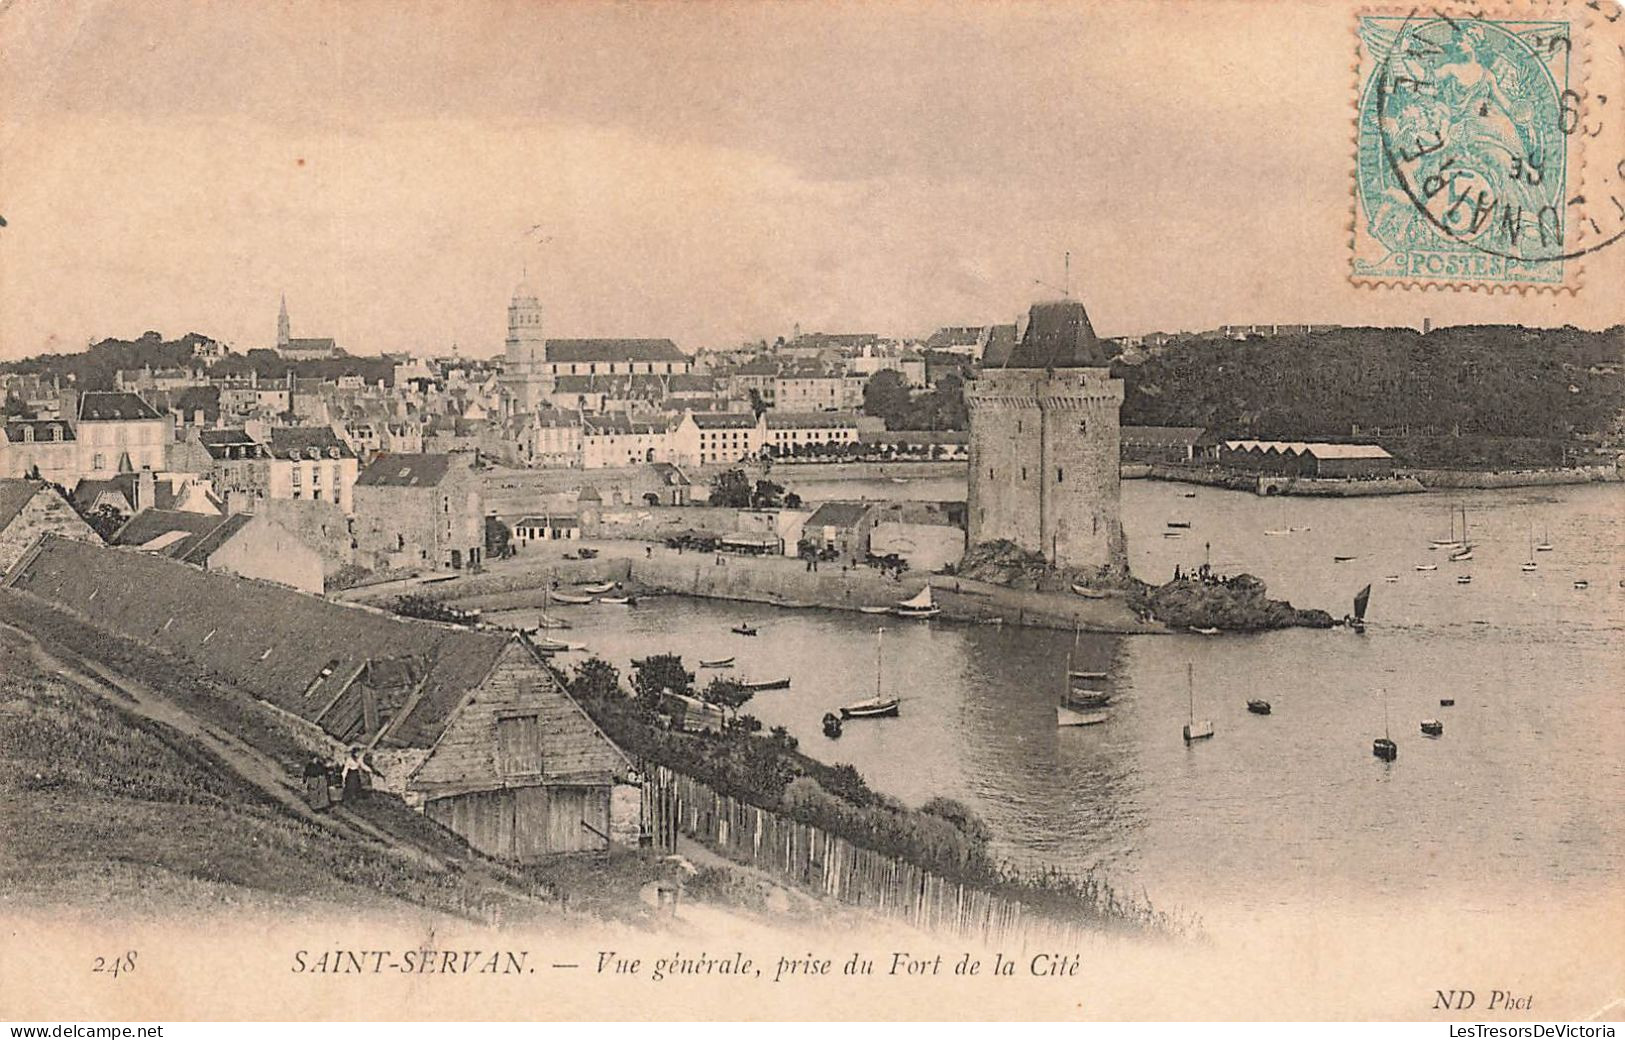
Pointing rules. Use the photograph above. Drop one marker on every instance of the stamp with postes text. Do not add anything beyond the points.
(1470, 133)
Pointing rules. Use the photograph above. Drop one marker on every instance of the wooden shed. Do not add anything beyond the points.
(471, 723)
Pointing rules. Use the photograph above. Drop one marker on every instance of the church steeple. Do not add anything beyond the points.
(282, 333)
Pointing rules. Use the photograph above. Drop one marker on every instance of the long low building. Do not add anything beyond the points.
(1308, 459)
(470, 725)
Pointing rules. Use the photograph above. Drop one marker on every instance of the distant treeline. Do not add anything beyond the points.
(95, 368)
(1470, 381)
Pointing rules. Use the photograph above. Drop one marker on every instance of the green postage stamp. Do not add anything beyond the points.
(1470, 130)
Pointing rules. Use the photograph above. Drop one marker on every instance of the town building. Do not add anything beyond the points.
(311, 462)
(1045, 453)
(468, 726)
(616, 440)
(1161, 443)
(45, 448)
(553, 527)
(243, 544)
(119, 432)
(415, 511)
(129, 493)
(703, 438)
(793, 433)
(31, 509)
(843, 527)
(816, 391)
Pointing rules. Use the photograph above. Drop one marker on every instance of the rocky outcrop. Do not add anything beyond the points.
(1237, 604)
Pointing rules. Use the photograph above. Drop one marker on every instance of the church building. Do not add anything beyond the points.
(1045, 445)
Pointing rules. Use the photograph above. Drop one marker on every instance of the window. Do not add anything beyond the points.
(519, 742)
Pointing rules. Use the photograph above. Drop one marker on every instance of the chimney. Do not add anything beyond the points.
(146, 490)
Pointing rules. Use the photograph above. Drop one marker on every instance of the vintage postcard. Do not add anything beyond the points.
(547, 511)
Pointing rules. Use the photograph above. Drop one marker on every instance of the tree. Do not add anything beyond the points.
(792, 501)
(653, 675)
(727, 694)
(595, 679)
(757, 405)
(498, 539)
(731, 489)
(767, 495)
(887, 396)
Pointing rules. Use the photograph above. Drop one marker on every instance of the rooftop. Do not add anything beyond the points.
(101, 406)
(405, 471)
(1058, 336)
(623, 350)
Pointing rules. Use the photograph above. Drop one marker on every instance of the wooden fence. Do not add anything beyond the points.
(824, 862)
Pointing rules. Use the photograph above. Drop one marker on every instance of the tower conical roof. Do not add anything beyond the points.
(1058, 336)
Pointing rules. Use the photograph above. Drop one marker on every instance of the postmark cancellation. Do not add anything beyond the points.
(1471, 129)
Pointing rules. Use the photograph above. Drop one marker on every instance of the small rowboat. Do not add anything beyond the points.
(558, 646)
(1259, 707)
(722, 662)
(1205, 631)
(874, 610)
(620, 601)
(1087, 675)
(1087, 593)
(1464, 579)
(571, 598)
(1432, 728)
(1582, 584)
(873, 708)
(1385, 749)
(832, 725)
(1427, 566)
(1076, 698)
(1447, 702)
(758, 685)
(597, 588)
(1342, 559)
(1065, 716)
(743, 630)
(1180, 524)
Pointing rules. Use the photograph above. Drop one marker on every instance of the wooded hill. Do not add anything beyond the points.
(1475, 381)
(95, 367)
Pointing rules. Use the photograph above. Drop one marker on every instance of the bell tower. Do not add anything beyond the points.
(282, 330)
(523, 372)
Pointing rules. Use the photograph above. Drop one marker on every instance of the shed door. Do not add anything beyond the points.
(550, 819)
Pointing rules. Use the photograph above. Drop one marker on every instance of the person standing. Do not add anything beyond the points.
(316, 792)
(355, 767)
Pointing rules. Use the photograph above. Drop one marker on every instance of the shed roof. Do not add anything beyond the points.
(270, 641)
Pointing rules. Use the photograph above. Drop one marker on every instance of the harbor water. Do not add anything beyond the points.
(1523, 788)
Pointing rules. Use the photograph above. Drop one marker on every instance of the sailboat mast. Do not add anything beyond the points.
(1190, 686)
(879, 632)
(1385, 712)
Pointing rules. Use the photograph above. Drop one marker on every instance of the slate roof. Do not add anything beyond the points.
(954, 336)
(221, 444)
(107, 406)
(308, 442)
(405, 471)
(1171, 435)
(15, 496)
(724, 420)
(1001, 340)
(269, 641)
(1058, 336)
(193, 536)
(43, 428)
(810, 420)
(838, 514)
(623, 350)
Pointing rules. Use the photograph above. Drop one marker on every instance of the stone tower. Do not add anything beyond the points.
(523, 373)
(282, 329)
(1044, 449)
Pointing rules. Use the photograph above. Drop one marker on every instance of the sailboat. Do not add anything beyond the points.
(1356, 620)
(1384, 747)
(1194, 730)
(920, 606)
(545, 621)
(877, 706)
(1448, 543)
(1464, 553)
(1080, 706)
(1530, 565)
(1545, 543)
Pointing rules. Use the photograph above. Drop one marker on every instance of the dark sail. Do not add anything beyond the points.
(1360, 600)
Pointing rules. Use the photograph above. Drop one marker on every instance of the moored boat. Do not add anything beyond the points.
(743, 630)
(571, 598)
(1432, 728)
(758, 685)
(721, 662)
(1342, 559)
(619, 601)
(1195, 730)
(1258, 707)
(1356, 620)
(1464, 579)
(1086, 592)
(878, 706)
(1447, 702)
(1065, 716)
(874, 610)
(1427, 566)
(1204, 631)
(596, 587)
(1582, 584)
(920, 605)
(832, 725)
(1180, 524)
(1384, 747)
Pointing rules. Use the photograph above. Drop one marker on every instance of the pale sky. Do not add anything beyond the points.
(710, 172)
